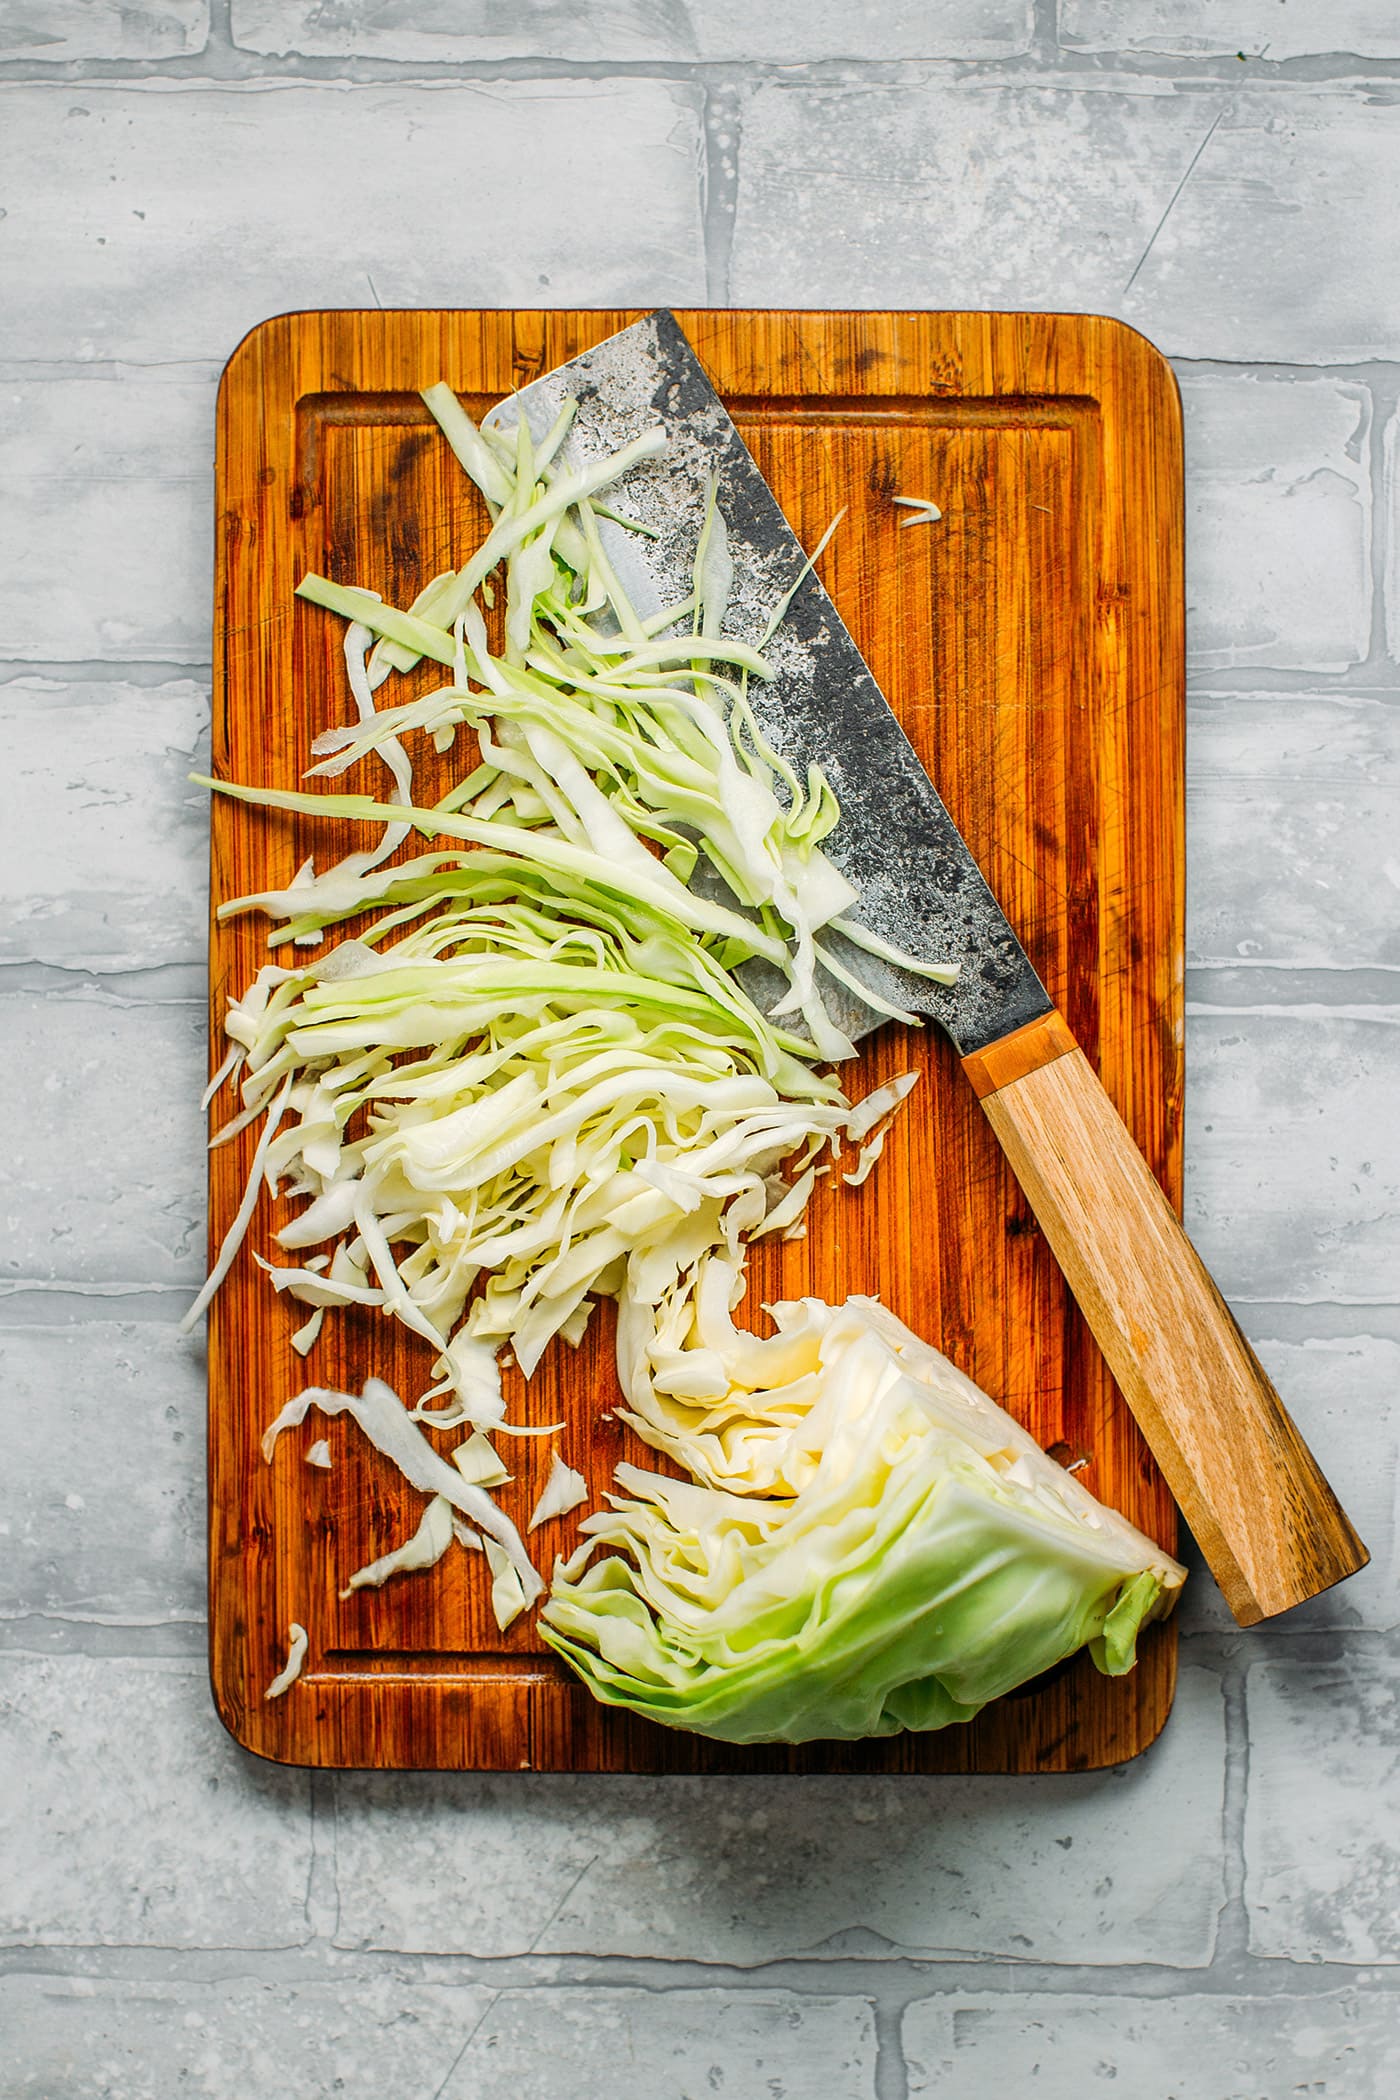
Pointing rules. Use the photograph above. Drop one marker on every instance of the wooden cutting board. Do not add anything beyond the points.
(1032, 644)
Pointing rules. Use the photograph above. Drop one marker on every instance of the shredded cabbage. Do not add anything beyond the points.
(386, 1422)
(424, 1550)
(596, 727)
(546, 1094)
(868, 1544)
(532, 1080)
(296, 1656)
(564, 1490)
(508, 1595)
(477, 1460)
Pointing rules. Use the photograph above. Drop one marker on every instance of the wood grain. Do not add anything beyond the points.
(1270, 1527)
(1032, 644)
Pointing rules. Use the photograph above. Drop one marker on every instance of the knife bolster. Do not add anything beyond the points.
(1025, 1050)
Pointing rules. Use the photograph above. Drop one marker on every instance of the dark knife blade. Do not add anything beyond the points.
(920, 888)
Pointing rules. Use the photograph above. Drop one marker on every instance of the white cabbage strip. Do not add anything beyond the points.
(390, 1428)
(296, 1656)
(477, 1460)
(424, 1550)
(564, 1490)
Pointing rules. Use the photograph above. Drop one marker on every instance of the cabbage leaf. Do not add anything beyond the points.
(869, 1544)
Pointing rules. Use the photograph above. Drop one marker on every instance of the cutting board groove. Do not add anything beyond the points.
(1032, 643)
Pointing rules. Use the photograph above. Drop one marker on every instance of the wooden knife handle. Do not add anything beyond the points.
(1270, 1527)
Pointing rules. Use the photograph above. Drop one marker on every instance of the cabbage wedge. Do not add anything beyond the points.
(869, 1544)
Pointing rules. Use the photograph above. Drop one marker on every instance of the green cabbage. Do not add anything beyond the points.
(542, 1094)
(869, 1544)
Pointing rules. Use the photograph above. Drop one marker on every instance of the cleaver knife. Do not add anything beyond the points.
(1269, 1526)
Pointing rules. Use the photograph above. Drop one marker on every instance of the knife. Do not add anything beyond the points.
(1268, 1524)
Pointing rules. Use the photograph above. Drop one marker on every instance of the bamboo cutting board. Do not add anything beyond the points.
(1032, 644)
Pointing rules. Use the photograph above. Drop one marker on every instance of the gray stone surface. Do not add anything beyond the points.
(925, 195)
(129, 239)
(1293, 843)
(95, 768)
(1275, 29)
(1338, 2045)
(101, 1499)
(1321, 1849)
(150, 2041)
(1292, 1178)
(1278, 518)
(52, 30)
(1216, 1922)
(102, 1179)
(752, 1870)
(235, 2035)
(1223, 224)
(106, 542)
(629, 30)
(129, 1818)
(634, 2045)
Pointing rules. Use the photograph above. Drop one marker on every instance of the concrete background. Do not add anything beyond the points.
(1218, 1921)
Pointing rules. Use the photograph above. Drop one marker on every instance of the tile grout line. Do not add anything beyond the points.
(140, 1299)
(1384, 388)
(220, 37)
(891, 1983)
(891, 2074)
(1380, 371)
(1230, 1955)
(1263, 987)
(223, 63)
(723, 130)
(1045, 32)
